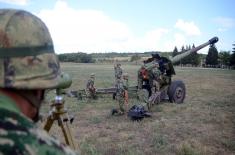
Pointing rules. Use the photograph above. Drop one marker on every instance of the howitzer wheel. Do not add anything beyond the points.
(177, 91)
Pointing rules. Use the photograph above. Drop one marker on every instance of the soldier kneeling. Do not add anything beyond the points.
(90, 87)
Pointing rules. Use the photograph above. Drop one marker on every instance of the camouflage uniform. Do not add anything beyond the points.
(19, 135)
(140, 77)
(121, 93)
(27, 63)
(90, 87)
(156, 78)
(118, 71)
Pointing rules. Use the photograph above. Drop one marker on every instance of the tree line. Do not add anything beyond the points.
(212, 59)
(76, 57)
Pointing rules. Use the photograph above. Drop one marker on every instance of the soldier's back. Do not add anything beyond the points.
(90, 83)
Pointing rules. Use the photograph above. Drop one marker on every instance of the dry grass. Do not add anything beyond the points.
(203, 124)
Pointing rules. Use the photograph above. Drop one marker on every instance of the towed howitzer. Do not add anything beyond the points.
(174, 91)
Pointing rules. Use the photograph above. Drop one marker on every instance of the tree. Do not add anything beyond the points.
(182, 49)
(224, 58)
(76, 57)
(189, 47)
(232, 58)
(212, 57)
(193, 46)
(175, 52)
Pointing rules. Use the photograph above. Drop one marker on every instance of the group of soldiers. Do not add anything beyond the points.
(153, 75)
(121, 86)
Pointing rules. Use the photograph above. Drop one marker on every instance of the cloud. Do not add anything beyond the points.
(93, 31)
(188, 27)
(178, 40)
(16, 2)
(152, 39)
(224, 23)
(84, 30)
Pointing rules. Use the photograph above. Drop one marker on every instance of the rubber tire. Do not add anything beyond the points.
(177, 92)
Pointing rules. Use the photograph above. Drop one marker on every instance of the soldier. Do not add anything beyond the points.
(156, 80)
(118, 71)
(90, 87)
(141, 75)
(28, 67)
(122, 95)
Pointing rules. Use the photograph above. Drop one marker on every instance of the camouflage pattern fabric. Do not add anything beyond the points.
(118, 72)
(20, 136)
(140, 78)
(90, 88)
(156, 79)
(121, 86)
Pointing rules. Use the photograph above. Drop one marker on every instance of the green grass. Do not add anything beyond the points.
(203, 124)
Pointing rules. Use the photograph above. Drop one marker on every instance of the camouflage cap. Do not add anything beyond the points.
(118, 64)
(27, 57)
(92, 75)
(125, 74)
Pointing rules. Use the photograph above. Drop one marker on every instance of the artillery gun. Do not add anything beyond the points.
(174, 91)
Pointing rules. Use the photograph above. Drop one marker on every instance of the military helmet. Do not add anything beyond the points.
(92, 75)
(118, 64)
(125, 74)
(156, 55)
(27, 57)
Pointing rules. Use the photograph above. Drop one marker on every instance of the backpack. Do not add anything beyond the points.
(137, 113)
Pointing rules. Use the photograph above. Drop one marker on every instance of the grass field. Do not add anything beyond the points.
(203, 124)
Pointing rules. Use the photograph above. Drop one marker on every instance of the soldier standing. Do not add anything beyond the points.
(90, 87)
(28, 67)
(156, 78)
(122, 95)
(118, 71)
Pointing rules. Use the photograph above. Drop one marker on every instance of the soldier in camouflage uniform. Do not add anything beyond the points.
(122, 94)
(90, 87)
(118, 71)
(28, 67)
(156, 79)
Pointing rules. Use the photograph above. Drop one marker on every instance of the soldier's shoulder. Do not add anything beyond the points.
(89, 80)
(18, 135)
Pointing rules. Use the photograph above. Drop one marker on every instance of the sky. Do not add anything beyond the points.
(93, 26)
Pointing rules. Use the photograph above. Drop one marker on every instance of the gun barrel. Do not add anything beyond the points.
(177, 58)
(214, 40)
